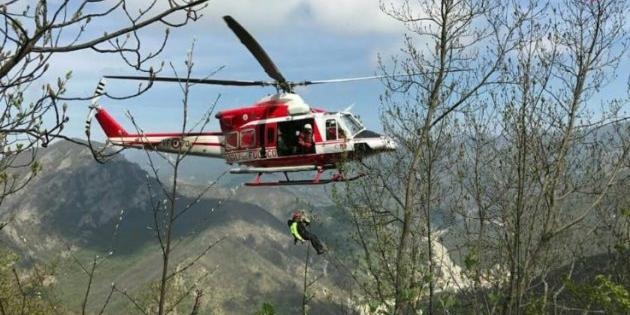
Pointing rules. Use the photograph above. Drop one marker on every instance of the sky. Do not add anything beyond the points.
(307, 39)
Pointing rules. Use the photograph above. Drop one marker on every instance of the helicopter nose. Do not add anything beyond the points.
(376, 141)
(387, 144)
(390, 145)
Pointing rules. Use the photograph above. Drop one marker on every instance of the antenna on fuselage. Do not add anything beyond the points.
(348, 109)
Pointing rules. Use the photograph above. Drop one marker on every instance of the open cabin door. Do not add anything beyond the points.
(287, 138)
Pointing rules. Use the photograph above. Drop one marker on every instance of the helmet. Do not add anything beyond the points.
(308, 126)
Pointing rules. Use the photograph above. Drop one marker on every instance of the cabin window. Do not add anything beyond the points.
(248, 138)
(231, 140)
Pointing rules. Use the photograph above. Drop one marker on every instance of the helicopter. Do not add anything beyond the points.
(280, 133)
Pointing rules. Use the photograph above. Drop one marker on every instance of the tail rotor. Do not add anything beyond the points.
(102, 154)
(100, 90)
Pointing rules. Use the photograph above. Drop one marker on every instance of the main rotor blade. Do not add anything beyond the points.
(192, 80)
(311, 82)
(256, 50)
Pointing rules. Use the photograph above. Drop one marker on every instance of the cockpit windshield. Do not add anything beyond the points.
(351, 123)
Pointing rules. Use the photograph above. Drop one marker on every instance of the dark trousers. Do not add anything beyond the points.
(314, 240)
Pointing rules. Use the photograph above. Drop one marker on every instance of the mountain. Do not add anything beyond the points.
(79, 208)
(194, 169)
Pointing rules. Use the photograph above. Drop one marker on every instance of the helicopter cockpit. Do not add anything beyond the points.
(342, 124)
(351, 123)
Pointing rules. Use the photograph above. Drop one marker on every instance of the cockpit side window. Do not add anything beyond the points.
(331, 129)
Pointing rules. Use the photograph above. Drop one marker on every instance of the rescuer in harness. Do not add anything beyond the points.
(297, 225)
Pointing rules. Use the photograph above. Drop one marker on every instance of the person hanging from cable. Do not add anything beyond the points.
(297, 226)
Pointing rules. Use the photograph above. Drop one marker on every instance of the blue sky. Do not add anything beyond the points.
(307, 40)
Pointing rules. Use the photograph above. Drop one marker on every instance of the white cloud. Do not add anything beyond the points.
(345, 16)
(352, 16)
(339, 16)
(254, 14)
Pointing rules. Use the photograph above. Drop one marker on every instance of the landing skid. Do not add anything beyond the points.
(317, 180)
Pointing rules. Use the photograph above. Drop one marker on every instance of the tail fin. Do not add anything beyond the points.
(111, 127)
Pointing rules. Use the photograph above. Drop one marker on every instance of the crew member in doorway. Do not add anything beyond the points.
(305, 140)
(281, 147)
(297, 225)
(331, 130)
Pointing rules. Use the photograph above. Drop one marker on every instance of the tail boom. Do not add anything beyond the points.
(208, 144)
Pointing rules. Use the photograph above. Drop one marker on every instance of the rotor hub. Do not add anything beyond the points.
(295, 104)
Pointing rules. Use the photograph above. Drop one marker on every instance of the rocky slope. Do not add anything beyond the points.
(74, 208)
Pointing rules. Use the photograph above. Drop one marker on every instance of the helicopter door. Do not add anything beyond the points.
(261, 141)
(335, 137)
(331, 129)
(288, 134)
(270, 140)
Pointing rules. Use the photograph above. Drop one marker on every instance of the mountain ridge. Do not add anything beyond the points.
(73, 207)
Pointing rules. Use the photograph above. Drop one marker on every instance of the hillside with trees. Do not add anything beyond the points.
(507, 193)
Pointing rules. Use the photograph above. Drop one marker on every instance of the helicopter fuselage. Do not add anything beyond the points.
(265, 137)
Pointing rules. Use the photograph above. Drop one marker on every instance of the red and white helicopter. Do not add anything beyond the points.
(268, 136)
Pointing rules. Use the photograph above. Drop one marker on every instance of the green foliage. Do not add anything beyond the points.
(447, 301)
(471, 260)
(408, 294)
(494, 297)
(179, 293)
(373, 306)
(21, 293)
(266, 309)
(149, 298)
(471, 264)
(36, 167)
(603, 293)
(535, 306)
